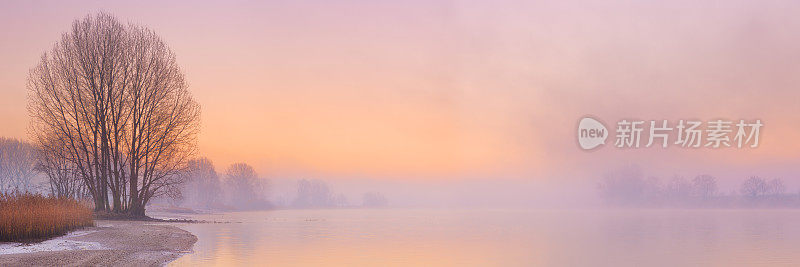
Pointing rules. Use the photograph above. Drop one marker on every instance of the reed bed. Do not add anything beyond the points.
(33, 216)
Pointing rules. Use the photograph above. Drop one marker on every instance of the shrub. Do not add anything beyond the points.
(28, 216)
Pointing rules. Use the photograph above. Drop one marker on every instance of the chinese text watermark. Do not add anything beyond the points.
(684, 133)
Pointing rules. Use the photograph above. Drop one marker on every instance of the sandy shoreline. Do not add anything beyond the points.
(118, 243)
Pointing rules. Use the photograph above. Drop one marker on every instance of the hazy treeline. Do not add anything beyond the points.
(17, 165)
(628, 186)
(238, 188)
(373, 200)
(22, 166)
(109, 105)
(317, 194)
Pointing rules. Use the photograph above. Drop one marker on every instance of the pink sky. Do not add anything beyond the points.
(455, 89)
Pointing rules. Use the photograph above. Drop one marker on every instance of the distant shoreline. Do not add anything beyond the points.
(128, 243)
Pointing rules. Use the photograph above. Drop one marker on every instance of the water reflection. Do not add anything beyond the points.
(497, 238)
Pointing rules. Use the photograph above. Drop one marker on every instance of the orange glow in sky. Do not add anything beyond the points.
(448, 88)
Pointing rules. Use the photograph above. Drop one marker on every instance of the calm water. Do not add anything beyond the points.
(498, 238)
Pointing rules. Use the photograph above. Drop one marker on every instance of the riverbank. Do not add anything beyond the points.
(118, 243)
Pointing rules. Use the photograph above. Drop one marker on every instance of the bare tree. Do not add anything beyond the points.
(340, 201)
(244, 189)
(17, 165)
(313, 194)
(164, 118)
(623, 186)
(704, 186)
(115, 99)
(203, 187)
(678, 188)
(754, 187)
(775, 187)
(374, 200)
(63, 177)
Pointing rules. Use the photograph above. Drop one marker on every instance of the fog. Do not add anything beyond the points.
(459, 104)
(627, 186)
(431, 133)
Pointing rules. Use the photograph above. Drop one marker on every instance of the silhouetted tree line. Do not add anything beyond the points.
(628, 186)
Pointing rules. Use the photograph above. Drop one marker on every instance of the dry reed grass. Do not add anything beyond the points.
(32, 216)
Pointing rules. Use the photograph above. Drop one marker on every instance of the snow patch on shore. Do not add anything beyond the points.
(56, 244)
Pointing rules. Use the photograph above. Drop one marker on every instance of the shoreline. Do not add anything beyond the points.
(125, 243)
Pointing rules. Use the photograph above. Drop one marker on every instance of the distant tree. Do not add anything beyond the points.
(374, 200)
(775, 187)
(17, 165)
(678, 188)
(340, 201)
(623, 186)
(653, 190)
(313, 194)
(704, 186)
(244, 189)
(754, 187)
(203, 188)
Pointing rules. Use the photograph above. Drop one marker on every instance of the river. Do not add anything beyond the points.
(430, 237)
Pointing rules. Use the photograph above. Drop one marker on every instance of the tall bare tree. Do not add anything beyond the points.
(114, 99)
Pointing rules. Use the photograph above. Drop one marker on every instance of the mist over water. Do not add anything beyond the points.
(444, 132)
(497, 237)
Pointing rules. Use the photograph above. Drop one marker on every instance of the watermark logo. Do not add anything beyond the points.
(591, 133)
(663, 133)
